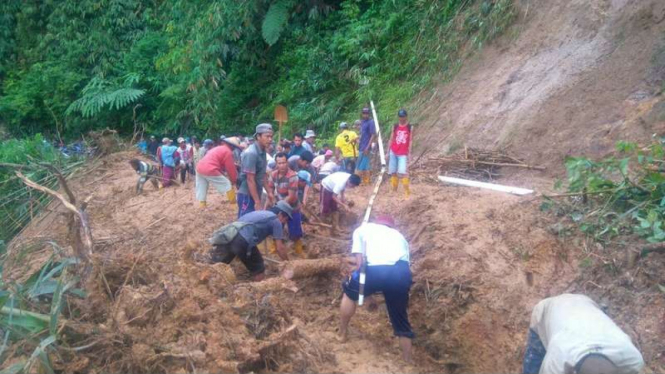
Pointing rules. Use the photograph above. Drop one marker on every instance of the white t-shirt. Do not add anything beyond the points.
(329, 168)
(573, 326)
(336, 182)
(382, 244)
(318, 161)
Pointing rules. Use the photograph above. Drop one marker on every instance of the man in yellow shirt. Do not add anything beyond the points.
(345, 148)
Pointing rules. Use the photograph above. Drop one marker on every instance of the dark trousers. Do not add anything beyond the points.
(534, 354)
(394, 281)
(245, 204)
(238, 247)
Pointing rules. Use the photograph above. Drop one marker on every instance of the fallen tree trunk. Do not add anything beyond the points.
(307, 268)
(270, 285)
(82, 243)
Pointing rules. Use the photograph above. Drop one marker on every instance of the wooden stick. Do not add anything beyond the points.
(319, 224)
(582, 193)
(415, 237)
(153, 223)
(494, 163)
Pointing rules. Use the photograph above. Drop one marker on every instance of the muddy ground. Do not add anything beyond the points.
(481, 260)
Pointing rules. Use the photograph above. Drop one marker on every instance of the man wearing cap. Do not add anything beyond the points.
(387, 254)
(240, 238)
(400, 151)
(345, 148)
(310, 137)
(570, 334)
(367, 134)
(253, 165)
(302, 162)
(214, 168)
(207, 145)
(153, 144)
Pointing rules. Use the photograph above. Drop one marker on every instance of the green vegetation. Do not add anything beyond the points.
(620, 195)
(18, 203)
(31, 311)
(211, 67)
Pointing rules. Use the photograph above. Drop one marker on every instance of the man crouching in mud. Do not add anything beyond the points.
(387, 254)
(239, 239)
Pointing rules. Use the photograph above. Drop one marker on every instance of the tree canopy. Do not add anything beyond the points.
(211, 67)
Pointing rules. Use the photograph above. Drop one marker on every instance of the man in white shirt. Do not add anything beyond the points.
(571, 334)
(387, 254)
(332, 195)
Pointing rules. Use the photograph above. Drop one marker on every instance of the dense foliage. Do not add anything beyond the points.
(623, 194)
(211, 67)
(18, 203)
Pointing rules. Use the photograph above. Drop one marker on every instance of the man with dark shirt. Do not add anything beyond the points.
(240, 238)
(253, 164)
(297, 148)
(153, 144)
(367, 133)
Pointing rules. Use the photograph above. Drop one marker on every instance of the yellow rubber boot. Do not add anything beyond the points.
(367, 178)
(407, 189)
(298, 247)
(272, 248)
(394, 182)
(202, 204)
(231, 195)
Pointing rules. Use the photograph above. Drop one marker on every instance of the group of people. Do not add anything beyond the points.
(568, 333)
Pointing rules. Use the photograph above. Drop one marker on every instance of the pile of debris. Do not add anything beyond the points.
(470, 163)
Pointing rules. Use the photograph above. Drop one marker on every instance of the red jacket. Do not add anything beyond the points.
(217, 161)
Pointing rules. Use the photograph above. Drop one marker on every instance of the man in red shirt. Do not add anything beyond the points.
(400, 150)
(212, 167)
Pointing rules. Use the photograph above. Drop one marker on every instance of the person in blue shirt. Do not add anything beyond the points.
(367, 134)
(297, 148)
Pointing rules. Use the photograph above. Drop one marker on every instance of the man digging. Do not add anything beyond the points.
(387, 254)
(332, 196)
(239, 239)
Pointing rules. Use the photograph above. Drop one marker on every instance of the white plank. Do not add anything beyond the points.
(489, 186)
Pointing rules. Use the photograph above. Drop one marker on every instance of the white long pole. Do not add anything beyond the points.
(489, 186)
(377, 185)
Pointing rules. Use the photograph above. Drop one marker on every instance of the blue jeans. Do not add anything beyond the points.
(245, 204)
(534, 354)
(363, 162)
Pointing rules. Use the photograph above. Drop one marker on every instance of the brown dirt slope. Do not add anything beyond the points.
(570, 78)
(481, 260)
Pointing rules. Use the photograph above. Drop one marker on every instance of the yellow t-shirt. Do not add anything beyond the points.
(344, 142)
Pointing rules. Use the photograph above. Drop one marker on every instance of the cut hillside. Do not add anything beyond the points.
(570, 78)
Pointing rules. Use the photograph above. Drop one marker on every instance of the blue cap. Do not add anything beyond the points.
(401, 113)
(304, 175)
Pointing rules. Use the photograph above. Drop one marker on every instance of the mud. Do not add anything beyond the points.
(480, 260)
